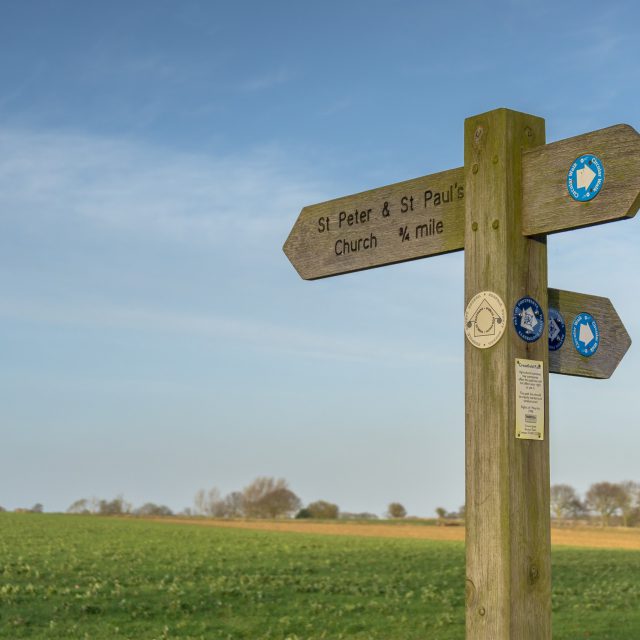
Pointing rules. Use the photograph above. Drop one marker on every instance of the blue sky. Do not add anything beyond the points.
(153, 337)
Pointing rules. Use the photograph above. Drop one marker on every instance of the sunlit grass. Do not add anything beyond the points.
(64, 577)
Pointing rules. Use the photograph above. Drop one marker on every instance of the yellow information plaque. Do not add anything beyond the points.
(529, 399)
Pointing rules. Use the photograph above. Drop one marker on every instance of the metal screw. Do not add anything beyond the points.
(481, 611)
(495, 224)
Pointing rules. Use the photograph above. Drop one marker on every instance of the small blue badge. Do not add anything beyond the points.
(586, 334)
(528, 319)
(557, 329)
(585, 178)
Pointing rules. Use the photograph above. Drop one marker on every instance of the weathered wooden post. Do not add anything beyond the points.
(511, 192)
(507, 477)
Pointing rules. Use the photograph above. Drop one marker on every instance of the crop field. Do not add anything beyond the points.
(592, 537)
(65, 577)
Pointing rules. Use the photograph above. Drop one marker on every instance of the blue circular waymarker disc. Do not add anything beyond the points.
(585, 334)
(585, 177)
(557, 329)
(528, 319)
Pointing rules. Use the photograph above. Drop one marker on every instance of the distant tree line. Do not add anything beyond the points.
(268, 497)
(450, 517)
(612, 503)
(117, 507)
(265, 497)
(37, 508)
(607, 503)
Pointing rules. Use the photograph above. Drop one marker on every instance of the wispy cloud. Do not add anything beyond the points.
(216, 327)
(268, 80)
(336, 107)
(148, 194)
(138, 188)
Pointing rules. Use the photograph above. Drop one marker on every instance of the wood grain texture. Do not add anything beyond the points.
(547, 205)
(374, 237)
(507, 479)
(614, 339)
(429, 210)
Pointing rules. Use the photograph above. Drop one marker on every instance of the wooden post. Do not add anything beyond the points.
(507, 479)
(511, 190)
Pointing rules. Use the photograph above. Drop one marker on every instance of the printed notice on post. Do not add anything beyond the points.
(529, 399)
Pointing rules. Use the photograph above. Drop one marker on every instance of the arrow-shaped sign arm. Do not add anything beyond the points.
(403, 221)
(614, 339)
(547, 206)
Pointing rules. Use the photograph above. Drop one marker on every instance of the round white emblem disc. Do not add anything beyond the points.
(484, 319)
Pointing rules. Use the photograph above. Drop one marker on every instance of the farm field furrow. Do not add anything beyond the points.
(86, 577)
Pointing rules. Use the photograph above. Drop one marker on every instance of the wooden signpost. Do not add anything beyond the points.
(404, 221)
(512, 191)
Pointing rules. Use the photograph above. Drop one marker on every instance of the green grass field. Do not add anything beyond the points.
(86, 577)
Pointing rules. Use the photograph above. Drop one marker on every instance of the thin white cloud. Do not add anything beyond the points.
(330, 109)
(52, 180)
(268, 80)
(216, 327)
(139, 188)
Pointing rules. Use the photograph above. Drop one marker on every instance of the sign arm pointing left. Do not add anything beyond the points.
(403, 221)
(425, 216)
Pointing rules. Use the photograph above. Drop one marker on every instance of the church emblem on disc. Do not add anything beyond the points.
(484, 319)
(557, 329)
(528, 319)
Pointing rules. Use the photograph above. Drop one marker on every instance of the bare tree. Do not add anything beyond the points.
(629, 500)
(200, 502)
(268, 497)
(254, 493)
(214, 504)
(565, 502)
(117, 506)
(396, 510)
(604, 498)
(234, 505)
(210, 503)
(79, 506)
